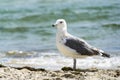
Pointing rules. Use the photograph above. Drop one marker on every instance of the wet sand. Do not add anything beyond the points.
(66, 73)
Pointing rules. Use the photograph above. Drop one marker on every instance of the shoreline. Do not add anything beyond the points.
(66, 73)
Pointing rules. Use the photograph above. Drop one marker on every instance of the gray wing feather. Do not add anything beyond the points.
(81, 47)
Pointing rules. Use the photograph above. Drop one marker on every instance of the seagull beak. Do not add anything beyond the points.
(53, 25)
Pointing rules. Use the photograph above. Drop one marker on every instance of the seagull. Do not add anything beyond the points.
(72, 46)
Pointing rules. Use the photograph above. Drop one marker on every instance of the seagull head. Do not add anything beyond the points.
(60, 24)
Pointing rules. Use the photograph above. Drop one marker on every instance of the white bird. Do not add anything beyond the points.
(72, 46)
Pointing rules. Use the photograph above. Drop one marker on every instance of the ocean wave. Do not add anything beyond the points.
(19, 54)
(14, 30)
(56, 62)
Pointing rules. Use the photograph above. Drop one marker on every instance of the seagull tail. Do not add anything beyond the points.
(105, 55)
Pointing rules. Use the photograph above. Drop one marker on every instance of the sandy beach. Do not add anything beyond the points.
(66, 73)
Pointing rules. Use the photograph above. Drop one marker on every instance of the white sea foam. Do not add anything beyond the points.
(57, 62)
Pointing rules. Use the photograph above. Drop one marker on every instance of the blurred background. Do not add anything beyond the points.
(25, 26)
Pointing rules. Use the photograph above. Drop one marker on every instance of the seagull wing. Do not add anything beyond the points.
(81, 47)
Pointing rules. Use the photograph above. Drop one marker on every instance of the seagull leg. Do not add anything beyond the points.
(74, 64)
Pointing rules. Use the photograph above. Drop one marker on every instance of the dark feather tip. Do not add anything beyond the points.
(105, 55)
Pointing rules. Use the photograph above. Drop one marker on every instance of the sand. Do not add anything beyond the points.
(66, 73)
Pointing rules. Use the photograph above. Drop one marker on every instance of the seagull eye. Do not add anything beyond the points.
(61, 22)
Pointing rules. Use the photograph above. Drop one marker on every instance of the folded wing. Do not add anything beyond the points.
(83, 48)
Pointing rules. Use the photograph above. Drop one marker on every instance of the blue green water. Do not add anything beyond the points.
(25, 25)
